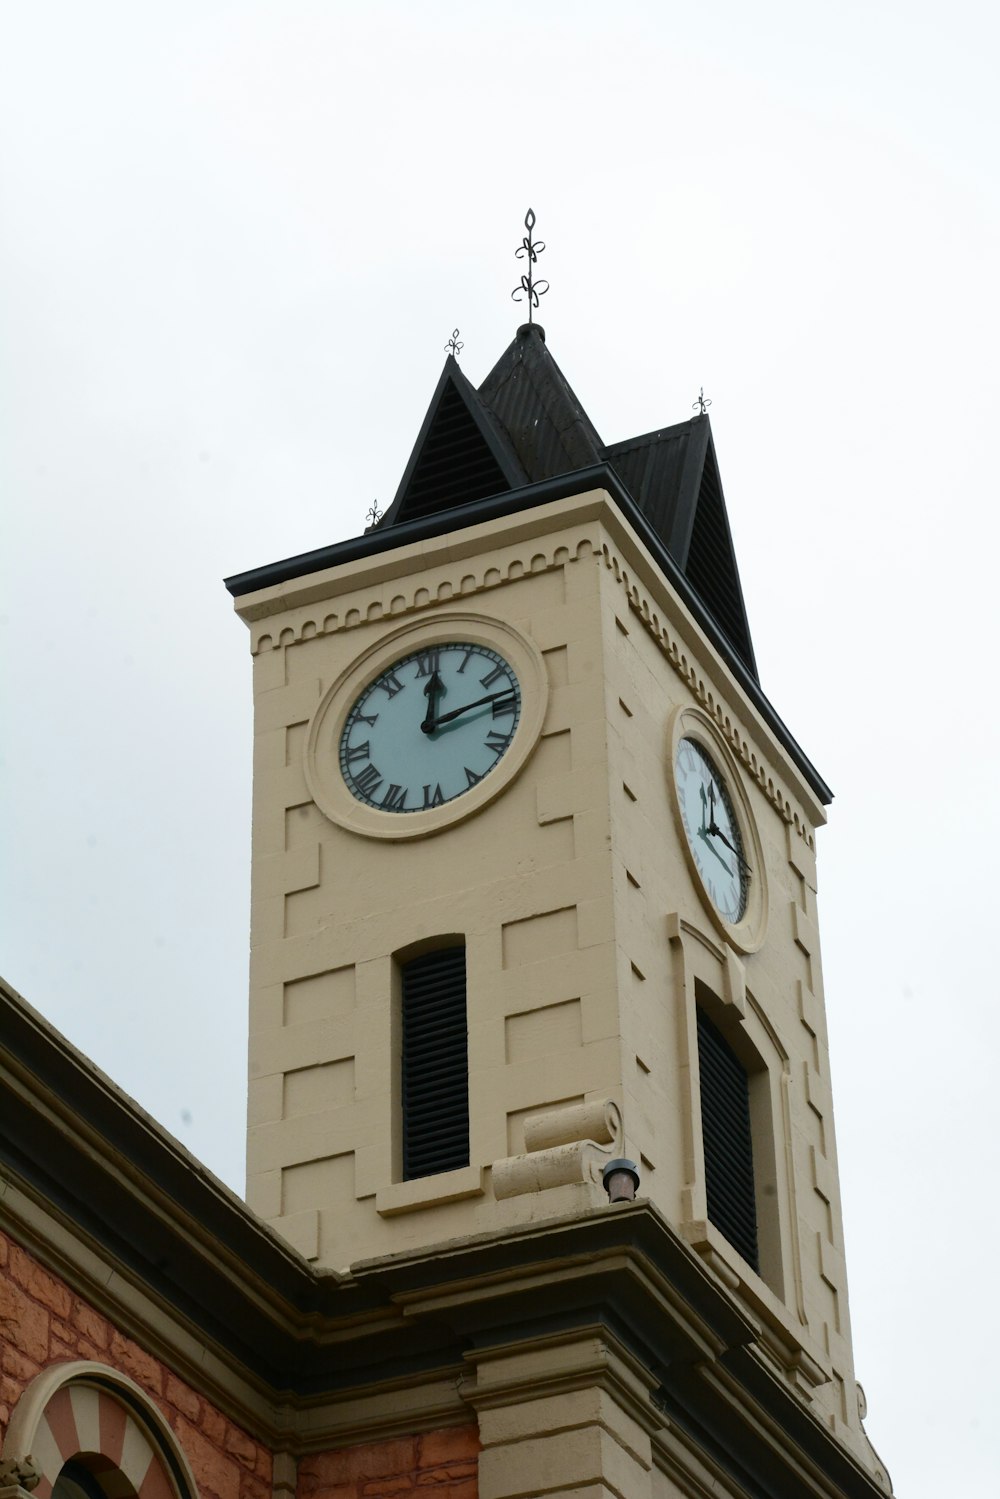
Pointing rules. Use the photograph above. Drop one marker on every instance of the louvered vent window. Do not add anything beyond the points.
(455, 464)
(725, 1122)
(711, 569)
(435, 1081)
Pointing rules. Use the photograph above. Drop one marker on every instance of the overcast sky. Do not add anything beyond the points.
(236, 238)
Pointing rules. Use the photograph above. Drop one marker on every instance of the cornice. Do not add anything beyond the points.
(381, 1352)
(692, 673)
(484, 560)
(538, 1368)
(469, 576)
(457, 533)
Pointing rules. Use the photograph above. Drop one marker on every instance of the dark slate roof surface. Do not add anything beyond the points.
(535, 405)
(662, 470)
(526, 425)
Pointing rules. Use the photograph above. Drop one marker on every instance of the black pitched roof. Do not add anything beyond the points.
(457, 457)
(525, 425)
(673, 475)
(537, 409)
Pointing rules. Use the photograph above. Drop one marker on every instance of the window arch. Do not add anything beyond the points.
(90, 1431)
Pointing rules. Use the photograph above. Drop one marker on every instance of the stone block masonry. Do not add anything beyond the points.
(440, 1462)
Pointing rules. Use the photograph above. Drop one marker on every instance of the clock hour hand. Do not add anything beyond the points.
(432, 692)
(480, 702)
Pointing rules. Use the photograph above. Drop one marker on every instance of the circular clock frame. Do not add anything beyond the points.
(323, 772)
(748, 932)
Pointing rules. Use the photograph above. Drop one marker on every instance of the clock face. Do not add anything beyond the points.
(712, 830)
(430, 727)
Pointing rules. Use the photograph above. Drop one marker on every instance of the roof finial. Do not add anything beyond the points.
(701, 405)
(532, 249)
(373, 516)
(453, 347)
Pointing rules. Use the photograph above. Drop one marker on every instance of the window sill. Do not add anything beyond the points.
(429, 1191)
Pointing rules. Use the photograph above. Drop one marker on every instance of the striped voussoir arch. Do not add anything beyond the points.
(98, 1417)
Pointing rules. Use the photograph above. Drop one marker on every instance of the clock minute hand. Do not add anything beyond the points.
(717, 832)
(704, 834)
(467, 708)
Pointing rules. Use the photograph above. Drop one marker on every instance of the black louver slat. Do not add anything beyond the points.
(435, 1082)
(455, 464)
(710, 568)
(725, 1122)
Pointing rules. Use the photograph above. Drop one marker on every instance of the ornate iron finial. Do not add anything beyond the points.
(701, 405)
(532, 249)
(374, 514)
(453, 346)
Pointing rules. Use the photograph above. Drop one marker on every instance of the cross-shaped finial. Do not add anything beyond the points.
(701, 405)
(453, 346)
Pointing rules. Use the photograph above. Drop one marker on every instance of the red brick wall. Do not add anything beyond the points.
(42, 1321)
(444, 1463)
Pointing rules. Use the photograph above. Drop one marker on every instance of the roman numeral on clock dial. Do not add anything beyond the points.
(434, 743)
(367, 779)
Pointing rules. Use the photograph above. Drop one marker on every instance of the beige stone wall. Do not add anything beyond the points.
(526, 879)
(587, 935)
(768, 1002)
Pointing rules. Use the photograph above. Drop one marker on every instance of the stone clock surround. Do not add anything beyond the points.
(322, 769)
(582, 953)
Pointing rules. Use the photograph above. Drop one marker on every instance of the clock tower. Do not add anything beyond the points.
(534, 910)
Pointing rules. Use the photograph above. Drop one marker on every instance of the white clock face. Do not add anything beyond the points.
(712, 830)
(430, 727)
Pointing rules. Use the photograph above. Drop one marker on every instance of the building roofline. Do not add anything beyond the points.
(528, 497)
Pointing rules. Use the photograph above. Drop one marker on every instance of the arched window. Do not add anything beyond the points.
(76, 1481)
(92, 1433)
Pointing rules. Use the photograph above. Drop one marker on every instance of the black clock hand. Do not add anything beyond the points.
(718, 833)
(432, 692)
(703, 834)
(466, 708)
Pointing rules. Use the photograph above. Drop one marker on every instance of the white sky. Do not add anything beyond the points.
(236, 239)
